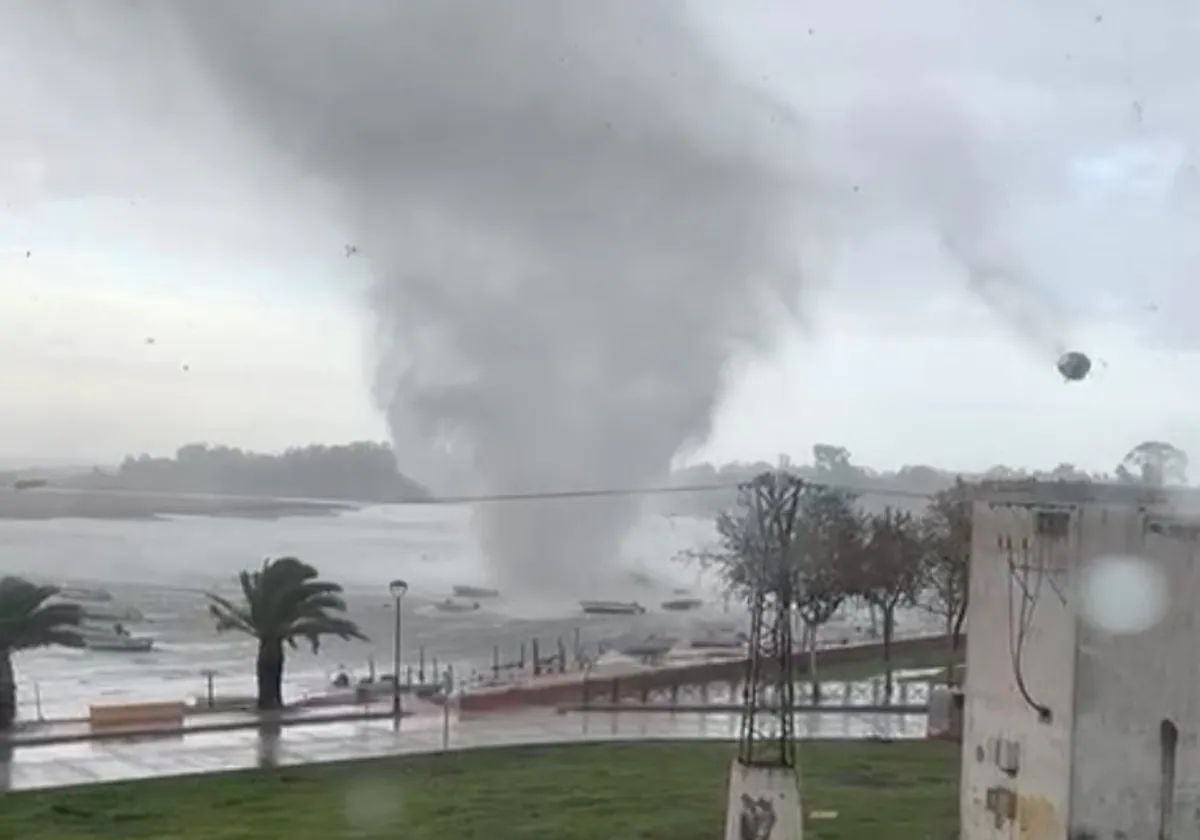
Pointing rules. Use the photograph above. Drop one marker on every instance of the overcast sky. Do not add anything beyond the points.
(166, 278)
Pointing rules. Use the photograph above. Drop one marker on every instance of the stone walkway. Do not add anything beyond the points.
(25, 767)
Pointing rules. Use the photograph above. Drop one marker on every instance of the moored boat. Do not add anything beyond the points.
(115, 639)
(466, 591)
(682, 604)
(612, 607)
(450, 605)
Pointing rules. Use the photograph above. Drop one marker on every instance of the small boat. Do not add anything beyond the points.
(115, 639)
(29, 483)
(464, 591)
(719, 641)
(682, 604)
(452, 606)
(612, 607)
(134, 644)
(650, 648)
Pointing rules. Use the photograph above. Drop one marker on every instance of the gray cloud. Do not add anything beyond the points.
(576, 218)
(556, 177)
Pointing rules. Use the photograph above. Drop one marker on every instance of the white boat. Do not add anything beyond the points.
(465, 591)
(612, 607)
(116, 638)
(452, 606)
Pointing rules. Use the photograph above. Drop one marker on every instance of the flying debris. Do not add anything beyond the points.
(351, 250)
(1074, 366)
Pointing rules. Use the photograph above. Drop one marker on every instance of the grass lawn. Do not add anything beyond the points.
(899, 791)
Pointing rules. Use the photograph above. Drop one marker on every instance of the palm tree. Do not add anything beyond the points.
(284, 601)
(27, 621)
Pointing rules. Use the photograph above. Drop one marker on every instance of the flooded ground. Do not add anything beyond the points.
(161, 567)
(96, 761)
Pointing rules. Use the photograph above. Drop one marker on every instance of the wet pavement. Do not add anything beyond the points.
(270, 745)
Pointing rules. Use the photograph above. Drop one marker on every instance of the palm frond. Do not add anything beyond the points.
(229, 616)
(285, 601)
(251, 591)
(319, 604)
(19, 597)
(64, 637)
(44, 625)
(282, 587)
(313, 628)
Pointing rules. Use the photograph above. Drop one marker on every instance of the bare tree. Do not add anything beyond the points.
(946, 534)
(889, 571)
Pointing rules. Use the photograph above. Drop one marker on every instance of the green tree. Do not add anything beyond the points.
(283, 602)
(890, 571)
(946, 533)
(27, 621)
(828, 539)
(795, 545)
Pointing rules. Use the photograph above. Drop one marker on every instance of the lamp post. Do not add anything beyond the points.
(397, 588)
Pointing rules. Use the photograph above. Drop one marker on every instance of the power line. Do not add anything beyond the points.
(568, 494)
(489, 498)
(547, 495)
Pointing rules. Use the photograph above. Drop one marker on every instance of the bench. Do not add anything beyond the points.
(133, 714)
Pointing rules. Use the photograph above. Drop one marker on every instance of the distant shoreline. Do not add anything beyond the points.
(56, 503)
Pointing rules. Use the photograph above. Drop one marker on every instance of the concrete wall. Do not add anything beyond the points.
(569, 689)
(1127, 685)
(1031, 803)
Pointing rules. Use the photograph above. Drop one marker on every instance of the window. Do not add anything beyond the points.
(1053, 523)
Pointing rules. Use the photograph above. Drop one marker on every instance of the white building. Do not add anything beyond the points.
(1083, 676)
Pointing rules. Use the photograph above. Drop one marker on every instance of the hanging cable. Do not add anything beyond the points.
(1018, 634)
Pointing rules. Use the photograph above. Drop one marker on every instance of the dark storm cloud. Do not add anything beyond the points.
(575, 216)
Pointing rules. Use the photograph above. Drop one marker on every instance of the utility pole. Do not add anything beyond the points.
(764, 793)
(396, 588)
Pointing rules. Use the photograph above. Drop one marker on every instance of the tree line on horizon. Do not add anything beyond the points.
(362, 472)
(1154, 463)
(367, 471)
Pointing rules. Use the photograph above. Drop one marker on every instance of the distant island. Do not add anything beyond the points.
(354, 472)
(319, 480)
(216, 481)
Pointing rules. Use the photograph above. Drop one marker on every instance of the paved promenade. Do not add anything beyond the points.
(73, 761)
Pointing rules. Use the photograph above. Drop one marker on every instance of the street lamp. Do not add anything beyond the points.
(397, 588)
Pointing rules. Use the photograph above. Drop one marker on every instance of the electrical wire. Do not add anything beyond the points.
(489, 498)
(1016, 644)
(643, 491)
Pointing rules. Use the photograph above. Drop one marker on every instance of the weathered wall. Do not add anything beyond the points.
(1033, 801)
(1127, 685)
